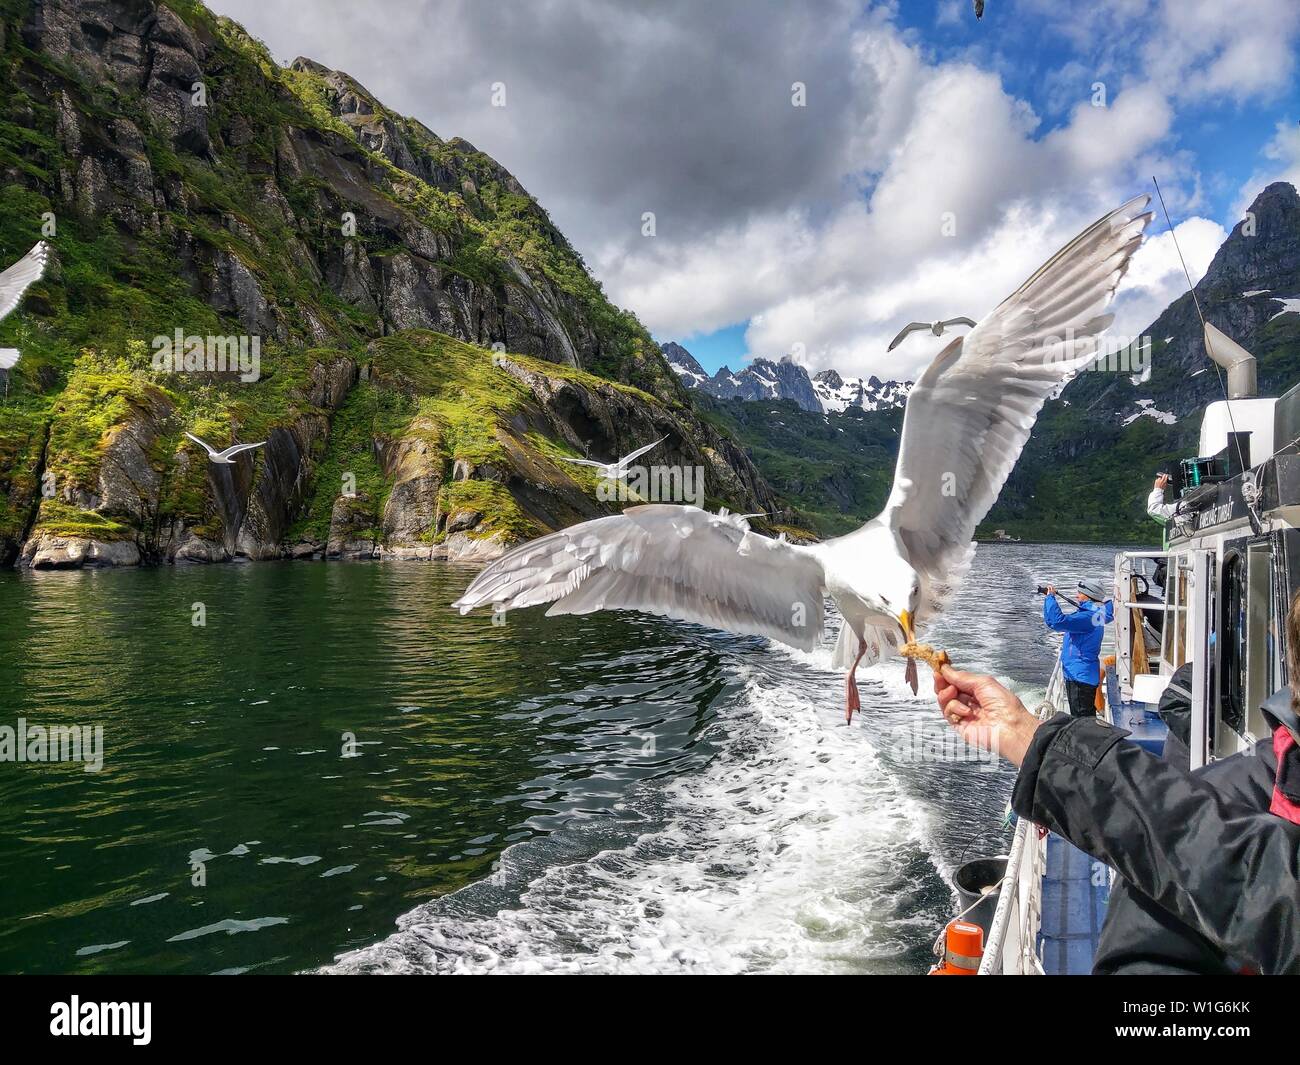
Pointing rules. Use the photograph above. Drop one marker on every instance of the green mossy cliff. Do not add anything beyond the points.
(429, 344)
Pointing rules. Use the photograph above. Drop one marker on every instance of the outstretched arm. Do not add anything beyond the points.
(1218, 865)
(1059, 621)
(1157, 508)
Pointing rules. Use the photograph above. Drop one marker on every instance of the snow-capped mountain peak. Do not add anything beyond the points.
(763, 379)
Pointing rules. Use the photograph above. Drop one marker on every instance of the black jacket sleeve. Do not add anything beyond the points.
(1211, 861)
(1139, 938)
(1175, 707)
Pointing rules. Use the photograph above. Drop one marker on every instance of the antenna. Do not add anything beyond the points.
(1201, 315)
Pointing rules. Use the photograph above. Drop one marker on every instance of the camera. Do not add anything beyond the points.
(1042, 589)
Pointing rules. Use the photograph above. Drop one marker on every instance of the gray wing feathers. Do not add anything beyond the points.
(971, 412)
(675, 561)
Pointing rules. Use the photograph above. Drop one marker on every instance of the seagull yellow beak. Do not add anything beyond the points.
(905, 619)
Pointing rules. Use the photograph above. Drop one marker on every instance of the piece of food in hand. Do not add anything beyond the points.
(936, 659)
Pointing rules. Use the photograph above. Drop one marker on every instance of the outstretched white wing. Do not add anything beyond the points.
(203, 444)
(16, 280)
(235, 449)
(627, 460)
(905, 332)
(969, 415)
(583, 462)
(676, 561)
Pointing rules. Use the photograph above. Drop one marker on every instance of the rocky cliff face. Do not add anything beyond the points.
(1253, 280)
(192, 188)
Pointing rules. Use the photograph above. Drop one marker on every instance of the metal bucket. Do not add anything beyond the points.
(975, 882)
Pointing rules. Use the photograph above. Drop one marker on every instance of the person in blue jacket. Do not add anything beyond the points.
(1081, 648)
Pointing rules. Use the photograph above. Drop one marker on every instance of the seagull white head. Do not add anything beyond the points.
(897, 592)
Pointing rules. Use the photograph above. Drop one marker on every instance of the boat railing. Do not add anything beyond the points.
(1151, 629)
(1012, 945)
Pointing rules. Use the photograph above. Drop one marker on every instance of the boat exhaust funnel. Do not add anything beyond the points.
(1239, 362)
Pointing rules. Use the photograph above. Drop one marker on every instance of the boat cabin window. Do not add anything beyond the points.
(1259, 633)
(1232, 643)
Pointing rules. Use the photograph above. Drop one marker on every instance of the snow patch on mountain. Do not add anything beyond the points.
(1149, 411)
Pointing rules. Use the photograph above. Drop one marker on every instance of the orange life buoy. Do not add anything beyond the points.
(963, 945)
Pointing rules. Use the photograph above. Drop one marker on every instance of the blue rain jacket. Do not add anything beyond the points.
(1083, 630)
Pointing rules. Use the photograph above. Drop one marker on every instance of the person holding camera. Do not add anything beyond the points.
(1164, 514)
(1083, 628)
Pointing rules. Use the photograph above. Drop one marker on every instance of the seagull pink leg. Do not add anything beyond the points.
(851, 700)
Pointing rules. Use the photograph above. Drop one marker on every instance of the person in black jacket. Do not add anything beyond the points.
(1175, 710)
(1208, 861)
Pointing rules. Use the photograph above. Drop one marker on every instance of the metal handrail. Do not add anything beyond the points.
(1020, 894)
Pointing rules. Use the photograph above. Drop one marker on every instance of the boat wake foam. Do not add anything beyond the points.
(793, 850)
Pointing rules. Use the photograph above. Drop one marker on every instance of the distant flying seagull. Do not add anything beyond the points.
(223, 457)
(966, 420)
(13, 283)
(936, 328)
(615, 471)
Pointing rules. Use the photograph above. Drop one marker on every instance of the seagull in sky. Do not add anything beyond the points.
(224, 458)
(964, 425)
(617, 470)
(13, 283)
(936, 328)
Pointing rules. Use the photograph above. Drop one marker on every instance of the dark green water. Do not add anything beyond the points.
(225, 745)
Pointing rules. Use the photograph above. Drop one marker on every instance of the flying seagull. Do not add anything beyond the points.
(223, 458)
(615, 471)
(966, 420)
(936, 328)
(13, 283)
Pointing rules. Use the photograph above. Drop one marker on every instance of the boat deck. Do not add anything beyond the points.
(1075, 886)
(1140, 720)
(1076, 889)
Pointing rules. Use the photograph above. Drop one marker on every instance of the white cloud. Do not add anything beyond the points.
(1155, 276)
(950, 12)
(838, 287)
(1215, 47)
(1283, 155)
(1189, 49)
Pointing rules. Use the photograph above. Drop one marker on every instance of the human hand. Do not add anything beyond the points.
(984, 713)
(1162, 481)
(1051, 589)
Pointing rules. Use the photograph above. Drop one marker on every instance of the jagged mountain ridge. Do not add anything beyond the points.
(378, 264)
(763, 379)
